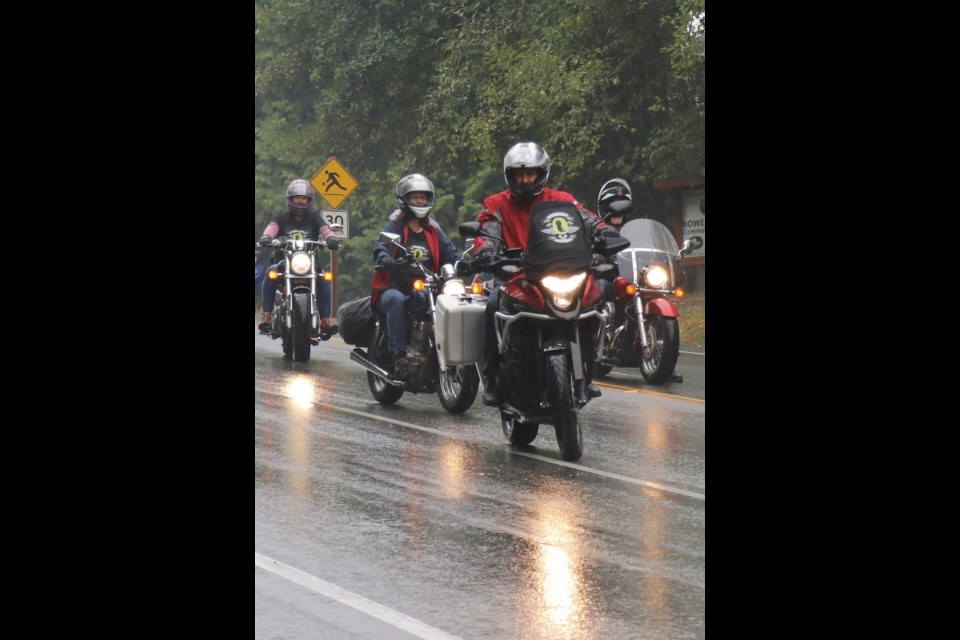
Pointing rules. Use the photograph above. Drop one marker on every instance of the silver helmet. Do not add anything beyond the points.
(526, 155)
(409, 184)
(300, 188)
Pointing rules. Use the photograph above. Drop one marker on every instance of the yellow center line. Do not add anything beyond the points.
(658, 394)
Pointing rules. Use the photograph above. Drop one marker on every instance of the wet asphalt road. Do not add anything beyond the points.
(408, 522)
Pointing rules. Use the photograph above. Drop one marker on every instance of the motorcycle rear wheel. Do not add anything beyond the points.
(659, 358)
(518, 433)
(458, 388)
(566, 413)
(301, 327)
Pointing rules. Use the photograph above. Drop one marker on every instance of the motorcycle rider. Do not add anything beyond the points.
(298, 216)
(506, 216)
(612, 191)
(425, 242)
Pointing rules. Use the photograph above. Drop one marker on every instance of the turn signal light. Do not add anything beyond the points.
(679, 293)
(476, 288)
(418, 285)
(272, 274)
(328, 276)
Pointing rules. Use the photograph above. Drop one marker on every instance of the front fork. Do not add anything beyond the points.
(643, 330)
(288, 307)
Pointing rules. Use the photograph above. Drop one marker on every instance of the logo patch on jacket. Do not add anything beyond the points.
(559, 227)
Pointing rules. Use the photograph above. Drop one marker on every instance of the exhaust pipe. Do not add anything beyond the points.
(358, 356)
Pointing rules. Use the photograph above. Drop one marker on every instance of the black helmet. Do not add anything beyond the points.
(409, 184)
(526, 155)
(611, 191)
(299, 188)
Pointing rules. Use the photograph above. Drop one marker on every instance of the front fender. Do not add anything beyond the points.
(661, 307)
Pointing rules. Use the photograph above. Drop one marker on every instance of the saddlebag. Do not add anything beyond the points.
(356, 321)
(459, 328)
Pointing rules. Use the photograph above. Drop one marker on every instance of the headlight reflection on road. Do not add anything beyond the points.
(300, 390)
(454, 460)
(563, 600)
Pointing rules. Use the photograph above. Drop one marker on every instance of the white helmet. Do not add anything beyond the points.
(410, 183)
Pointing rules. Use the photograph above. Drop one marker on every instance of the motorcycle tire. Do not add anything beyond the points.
(382, 392)
(518, 433)
(301, 326)
(457, 387)
(563, 406)
(659, 358)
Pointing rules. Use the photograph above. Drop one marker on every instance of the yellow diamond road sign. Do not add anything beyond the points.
(333, 183)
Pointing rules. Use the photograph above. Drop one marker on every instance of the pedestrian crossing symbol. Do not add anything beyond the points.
(333, 183)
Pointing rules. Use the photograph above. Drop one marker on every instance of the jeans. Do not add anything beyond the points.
(390, 302)
(324, 293)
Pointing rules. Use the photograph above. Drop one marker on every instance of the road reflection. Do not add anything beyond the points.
(560, 598)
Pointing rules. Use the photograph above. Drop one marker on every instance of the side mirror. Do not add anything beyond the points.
(687, 247)
(469, 229)
(608, 246)
(388, 238)
(620, 208)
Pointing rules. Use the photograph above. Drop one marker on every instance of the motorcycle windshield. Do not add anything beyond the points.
(558, 240)
(650, 243)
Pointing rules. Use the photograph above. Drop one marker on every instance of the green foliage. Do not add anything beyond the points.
(610, 88)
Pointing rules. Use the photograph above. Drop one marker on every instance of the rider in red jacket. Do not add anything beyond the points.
(506, 216)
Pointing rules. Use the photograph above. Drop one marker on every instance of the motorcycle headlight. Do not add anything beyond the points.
(300, 264)
(655, 277)
(564, 290)
(453, 288)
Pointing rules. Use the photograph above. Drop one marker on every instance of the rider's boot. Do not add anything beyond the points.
(265, 323)
(491, 395)
(328, 328)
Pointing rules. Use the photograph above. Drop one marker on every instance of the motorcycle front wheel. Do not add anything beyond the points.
(659, 358)
(458, 388)
(301, 326)
(563, 405)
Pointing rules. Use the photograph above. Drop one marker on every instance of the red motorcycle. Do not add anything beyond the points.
(642, 328)
(550, 313)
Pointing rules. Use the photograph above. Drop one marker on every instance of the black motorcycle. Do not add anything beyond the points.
(296, 318)
(444, 365)
(550, 312)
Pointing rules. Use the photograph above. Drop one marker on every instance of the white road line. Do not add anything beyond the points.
(369, 607)
(453, 436)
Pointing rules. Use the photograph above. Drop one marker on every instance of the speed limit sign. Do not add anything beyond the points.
(332, 217)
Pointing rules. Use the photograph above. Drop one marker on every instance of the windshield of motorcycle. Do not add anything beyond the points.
(650, 243)
(558, 240)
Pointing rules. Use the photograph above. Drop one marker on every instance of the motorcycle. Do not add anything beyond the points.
(643, 329)
(296, 319)
(446, 365)
(551, 309)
